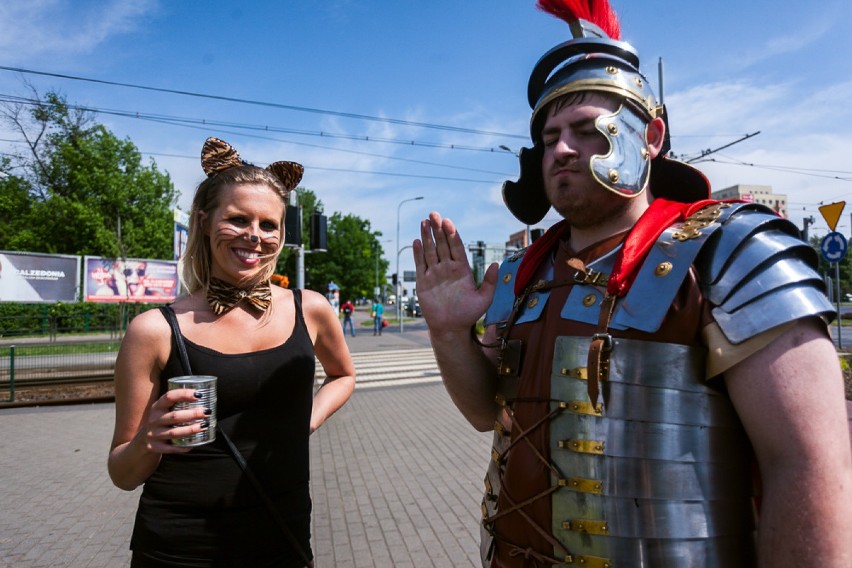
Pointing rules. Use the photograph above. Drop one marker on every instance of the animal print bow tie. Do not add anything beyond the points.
(222, 296)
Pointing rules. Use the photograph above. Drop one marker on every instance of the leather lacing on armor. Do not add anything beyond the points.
(582, 275)
(514, 550)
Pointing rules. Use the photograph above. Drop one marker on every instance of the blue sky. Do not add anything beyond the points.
(731, 68)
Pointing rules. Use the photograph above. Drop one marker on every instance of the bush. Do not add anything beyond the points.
(18, 320)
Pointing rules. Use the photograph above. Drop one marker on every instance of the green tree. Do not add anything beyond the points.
(350, 261)
(88, 192)
(15, 205)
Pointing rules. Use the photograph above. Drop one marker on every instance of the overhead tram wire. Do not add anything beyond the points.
(344, 150)
(322, 168)
(813, 172)
(202, 124)
(265, 128)
(176, 121)
(266, 104)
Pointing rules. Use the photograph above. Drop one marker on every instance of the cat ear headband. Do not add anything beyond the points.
(217, 155)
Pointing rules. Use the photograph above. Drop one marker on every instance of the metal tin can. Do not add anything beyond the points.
(205, 385)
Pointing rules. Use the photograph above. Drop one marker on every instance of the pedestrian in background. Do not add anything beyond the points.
(378, 311)
(346, 309)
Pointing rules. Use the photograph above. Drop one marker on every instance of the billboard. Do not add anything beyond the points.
(35, 277)
(130, 280)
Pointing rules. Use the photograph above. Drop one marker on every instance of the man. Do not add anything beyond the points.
(346, 309)
(657, 366)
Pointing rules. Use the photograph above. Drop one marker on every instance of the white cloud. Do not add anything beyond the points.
(53, 28)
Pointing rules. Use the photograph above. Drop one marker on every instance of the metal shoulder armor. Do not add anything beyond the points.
(504, 295)
(758, 274)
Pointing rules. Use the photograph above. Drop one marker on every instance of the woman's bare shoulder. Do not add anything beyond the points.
(148, 338)
(315, 302)
(148, 324)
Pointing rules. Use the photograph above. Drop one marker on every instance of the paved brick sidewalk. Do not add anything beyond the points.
(396, 481)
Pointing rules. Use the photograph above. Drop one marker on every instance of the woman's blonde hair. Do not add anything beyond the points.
(195, 262)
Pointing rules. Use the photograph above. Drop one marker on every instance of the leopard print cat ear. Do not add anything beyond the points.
(218, 155)
(288, 173)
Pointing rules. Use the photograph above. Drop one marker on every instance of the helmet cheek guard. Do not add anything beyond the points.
(626, 168)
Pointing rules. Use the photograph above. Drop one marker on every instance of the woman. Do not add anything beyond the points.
(378, 313)
(197, 508)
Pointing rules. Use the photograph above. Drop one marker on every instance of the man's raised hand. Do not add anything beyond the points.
(448, 295)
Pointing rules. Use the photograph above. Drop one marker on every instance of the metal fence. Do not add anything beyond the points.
(55, 363)
(55, 322)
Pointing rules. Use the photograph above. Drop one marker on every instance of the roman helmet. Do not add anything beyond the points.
(596, 60)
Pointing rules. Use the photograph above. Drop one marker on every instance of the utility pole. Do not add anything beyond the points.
(299, 250)
(806, 222)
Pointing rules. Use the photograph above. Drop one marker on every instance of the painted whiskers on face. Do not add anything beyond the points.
(245, 234)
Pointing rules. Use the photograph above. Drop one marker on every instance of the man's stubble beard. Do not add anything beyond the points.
(594, 207)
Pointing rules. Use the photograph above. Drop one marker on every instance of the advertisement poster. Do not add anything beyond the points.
(131, 280)
(37, 278)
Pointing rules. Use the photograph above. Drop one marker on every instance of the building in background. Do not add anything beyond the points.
(518, 240)
(482, 254)
(761, 194)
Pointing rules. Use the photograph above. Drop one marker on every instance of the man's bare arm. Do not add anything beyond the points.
(451, 305)
(790, 399)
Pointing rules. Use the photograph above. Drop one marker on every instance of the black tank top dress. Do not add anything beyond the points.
(198, 509)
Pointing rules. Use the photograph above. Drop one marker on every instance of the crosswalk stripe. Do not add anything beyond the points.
(392, 368)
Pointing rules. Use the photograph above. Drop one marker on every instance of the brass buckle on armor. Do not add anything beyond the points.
(691, 227)
(586, 526)
(583, 446)
(590, 277)
(607, 341)
(585, 275)
(588, 561)
(582, 407)
(489, 492)
(499, 428)
(581, 373)
(581, 485)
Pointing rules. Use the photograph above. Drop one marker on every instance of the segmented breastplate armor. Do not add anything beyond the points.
(659, 475)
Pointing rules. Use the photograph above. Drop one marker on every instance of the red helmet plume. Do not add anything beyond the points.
(598, 12)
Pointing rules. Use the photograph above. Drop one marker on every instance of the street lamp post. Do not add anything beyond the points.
(398, 275)
(398, 303)
(376, 244)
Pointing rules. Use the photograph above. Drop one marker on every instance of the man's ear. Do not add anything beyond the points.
(655, 136)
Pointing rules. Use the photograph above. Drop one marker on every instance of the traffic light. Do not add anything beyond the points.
(293, 226)
(394, 279)
(319, 233)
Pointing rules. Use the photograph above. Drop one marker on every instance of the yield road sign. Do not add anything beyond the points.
(831, 213)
